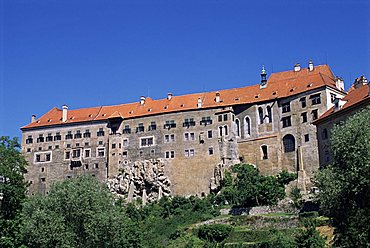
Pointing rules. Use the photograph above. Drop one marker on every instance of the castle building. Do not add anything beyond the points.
(193, 136)
(357, 99)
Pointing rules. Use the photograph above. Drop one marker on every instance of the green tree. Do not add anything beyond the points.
(248, 188)
(79, 212)
(12, 189)
(345, 184)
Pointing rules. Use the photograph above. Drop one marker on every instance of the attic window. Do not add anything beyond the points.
(149, 110)
(130, 112)
(90, 115)
(182, 105)
(37, 121)
(274, 93)
(166, 107)
(49, 120)
(72, 117)
(309, 85)
(292, 89)
(256, 96)
(104, 114)
(237, 99)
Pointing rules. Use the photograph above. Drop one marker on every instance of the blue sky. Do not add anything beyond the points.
(91, 53)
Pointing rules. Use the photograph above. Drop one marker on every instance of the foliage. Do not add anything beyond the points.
(345, 184)
(248, 188)
(12, 189)
(79, 212)
(296, 197)
(278, 239)
(214, 233)
(310, 238)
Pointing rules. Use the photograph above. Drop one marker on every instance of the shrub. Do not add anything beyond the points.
(214, 233)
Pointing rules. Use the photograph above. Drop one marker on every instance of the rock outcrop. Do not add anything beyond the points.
(142, 179)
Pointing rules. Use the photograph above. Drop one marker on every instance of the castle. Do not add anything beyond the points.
(184, 142)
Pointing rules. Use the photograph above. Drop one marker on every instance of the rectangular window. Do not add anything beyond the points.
(38, 157)
(57, 136)
(78, 134)
(286, 107)
(304, 117)
(303, 102)
(29, 140)
(67, 155)
(140, 128)
(169, 154)
(286, 121)
(206, 121)
(147, 141)
(48, 157)
(113, 146)
(315, 114)
(127, 129)
(40, 139)
(306, 137)
(188, 122)
(76, 153)
(87, 133)
(169, 124)
(153, 126)
(225, 117)
(49, 138)
(124, 154)
(101, 152)
(69, 135)
(56, 146)
(209, 134)
(100, 132)
(332, 97)
(219, 118)
(210, 151)
(125, 142)
(316, 99)
(87, 153)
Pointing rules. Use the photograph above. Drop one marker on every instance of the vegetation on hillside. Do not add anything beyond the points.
(345, 184)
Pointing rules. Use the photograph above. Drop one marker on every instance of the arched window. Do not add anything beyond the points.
(289, 143)
(247, 127)
(264, 152)
(220, 133)
(269, 114)
(226, 130)
(237, 123)
(260, 115)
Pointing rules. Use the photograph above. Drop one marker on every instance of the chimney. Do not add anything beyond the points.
(339, 83)
(64, 113)
(33, 118)
(142, 100)
(263, 74)
(310, 65)
(169, 96)
(199, 104)
(217, 98)
(297, 67)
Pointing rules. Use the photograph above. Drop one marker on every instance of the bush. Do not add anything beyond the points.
(214, 233)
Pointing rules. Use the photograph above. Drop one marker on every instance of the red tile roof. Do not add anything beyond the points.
(279, 85)
(354, 97)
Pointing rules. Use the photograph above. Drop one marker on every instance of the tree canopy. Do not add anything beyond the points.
(345, 184)
(80, 212)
